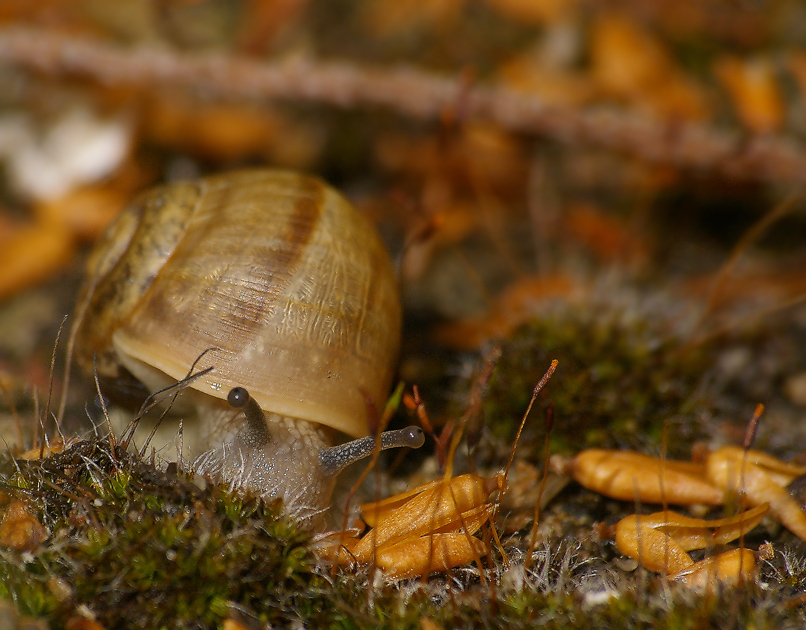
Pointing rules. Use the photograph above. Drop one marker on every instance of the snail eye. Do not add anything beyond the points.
(237, 397)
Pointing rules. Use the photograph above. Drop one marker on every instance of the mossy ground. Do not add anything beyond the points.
(142, 548)
(136, 546)
(624, 380)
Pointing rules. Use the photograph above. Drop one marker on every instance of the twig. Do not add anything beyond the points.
(410, 92)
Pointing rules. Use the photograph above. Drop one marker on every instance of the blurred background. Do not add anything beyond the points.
(613, 184)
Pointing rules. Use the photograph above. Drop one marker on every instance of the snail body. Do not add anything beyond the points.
(288, 289)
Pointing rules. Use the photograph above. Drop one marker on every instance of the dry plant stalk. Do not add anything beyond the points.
(410, 92)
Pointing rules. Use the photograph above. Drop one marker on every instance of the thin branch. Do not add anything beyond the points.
(412, 93)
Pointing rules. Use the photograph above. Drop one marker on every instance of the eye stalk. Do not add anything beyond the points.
(333, 459)
(336, 458)
(239, 398)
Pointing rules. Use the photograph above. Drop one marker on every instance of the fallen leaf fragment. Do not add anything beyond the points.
(631, 64)
(427, 624)
(387, 19)
(761, 478)
(429, 554)
(660, 543)
(83, 212)
(82, 623)
(632, 476)
(754, 90)
(43, 451)
(19, 529)
(537, 12)
(424, 530)
(31, 254)
(727, 569)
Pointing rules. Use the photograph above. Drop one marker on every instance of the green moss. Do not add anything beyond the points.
(563, 611)
(143, 548)
(146, 549)
(619, 382)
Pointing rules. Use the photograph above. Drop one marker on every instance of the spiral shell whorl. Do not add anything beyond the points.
(274, 270)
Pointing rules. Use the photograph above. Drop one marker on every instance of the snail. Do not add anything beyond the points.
(294, 296)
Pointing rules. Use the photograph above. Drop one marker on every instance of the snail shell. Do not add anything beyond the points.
(284, 280)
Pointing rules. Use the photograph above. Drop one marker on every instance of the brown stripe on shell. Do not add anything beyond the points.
(273, 266)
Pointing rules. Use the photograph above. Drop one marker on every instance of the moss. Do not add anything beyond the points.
(146, 548)
(143, 548)
(562, 611)
(619, 382)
